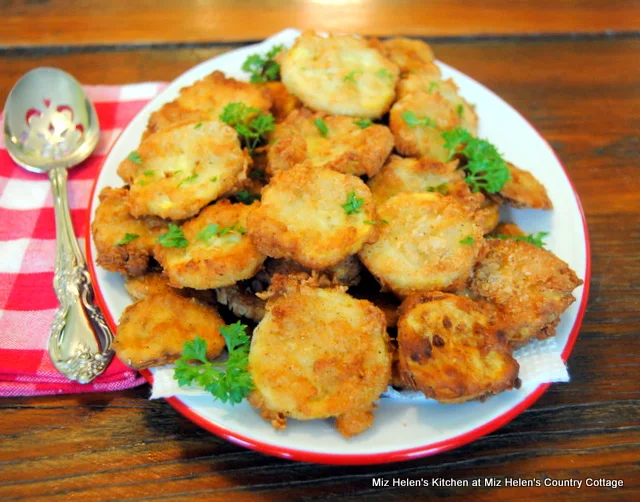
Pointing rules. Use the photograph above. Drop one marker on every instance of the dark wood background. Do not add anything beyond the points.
(571, 67)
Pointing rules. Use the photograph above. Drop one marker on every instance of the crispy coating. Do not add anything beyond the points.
(301, 217)
(340, 75)
(523, 190)
(112, 223)
(423, 140)
(347, 148)
(319, 353)
(183, 168)
(410, 55)
(430, 243)
(510, 230)
(283, 102)
(530, 286)
(215, 260)
(152, 331)
(429, 83)
(141, 286)
(206, 99)
(487, 216)
(448, 349)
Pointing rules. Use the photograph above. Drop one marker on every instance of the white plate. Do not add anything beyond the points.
(401, 431)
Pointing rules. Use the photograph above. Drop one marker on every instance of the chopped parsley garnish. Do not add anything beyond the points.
(198, 125)
(467, 240)
(460, 110)
(149, 173)
(433, 86)
(174, 238)
(412, 121)
(351, 77)
(246, 197)
(142, 183)
(441, 188)
(363, 123)
(188, 179)
(214, 230)
(485, 168)
(384, 73)
(213, 179)
(135, 157)
(226, 381)
(535, 239)
(371, 222)
(127, 238)
(322, 127)
(263, 68)
(353, 204)
(252, 124)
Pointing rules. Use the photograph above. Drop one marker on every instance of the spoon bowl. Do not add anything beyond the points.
(51, 125)
(49, 122)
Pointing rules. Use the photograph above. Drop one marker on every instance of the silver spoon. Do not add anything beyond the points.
(49, 126)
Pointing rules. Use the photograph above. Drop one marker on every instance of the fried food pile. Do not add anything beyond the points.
(343, 208)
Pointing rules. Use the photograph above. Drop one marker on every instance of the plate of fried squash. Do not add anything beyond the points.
(338, 247)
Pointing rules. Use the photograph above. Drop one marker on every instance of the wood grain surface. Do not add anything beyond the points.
(47, 22)
(582, 94)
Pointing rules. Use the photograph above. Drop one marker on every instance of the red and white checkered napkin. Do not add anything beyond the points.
(27, 255)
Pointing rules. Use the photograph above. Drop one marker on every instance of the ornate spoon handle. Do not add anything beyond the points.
(80, 342)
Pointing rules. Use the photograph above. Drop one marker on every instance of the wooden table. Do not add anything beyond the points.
(571, 67)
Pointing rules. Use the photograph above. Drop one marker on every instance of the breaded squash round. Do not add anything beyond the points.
(530, 286)
(124, 243)
(523, 190)
(178, 171)
(409, 54)
(448, 349)
(417, 122)
(334, 142)
(206, 99)
(318, 353)
(426, 82)
(340, 75)
(218, 253)
(314, 216)
(429, 242)
(141, 286)
(152, 331)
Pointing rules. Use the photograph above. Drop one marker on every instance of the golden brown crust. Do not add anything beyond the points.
(346, 148)
(430, 243)
(206, 99)
(530, 287)
(319, 353)
(183, 168)
(152, 331)
(283, 102)
(112, 223)
(141, 286)
(339, 74)
(448, 349)
(216, 261)
(409, 54)
(523, 190)
(422, 140)
(301, 217)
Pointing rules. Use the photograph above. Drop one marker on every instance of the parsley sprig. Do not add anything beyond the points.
(353, 204)
(535, 239)
(127, 238)
(263, 68)
(252, 124)
(486, 170)
(227, 381)
(174, 238)
(135, 157)
(363, 123)
(441, 188)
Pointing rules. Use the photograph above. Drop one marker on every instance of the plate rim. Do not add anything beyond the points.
(354, 459)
